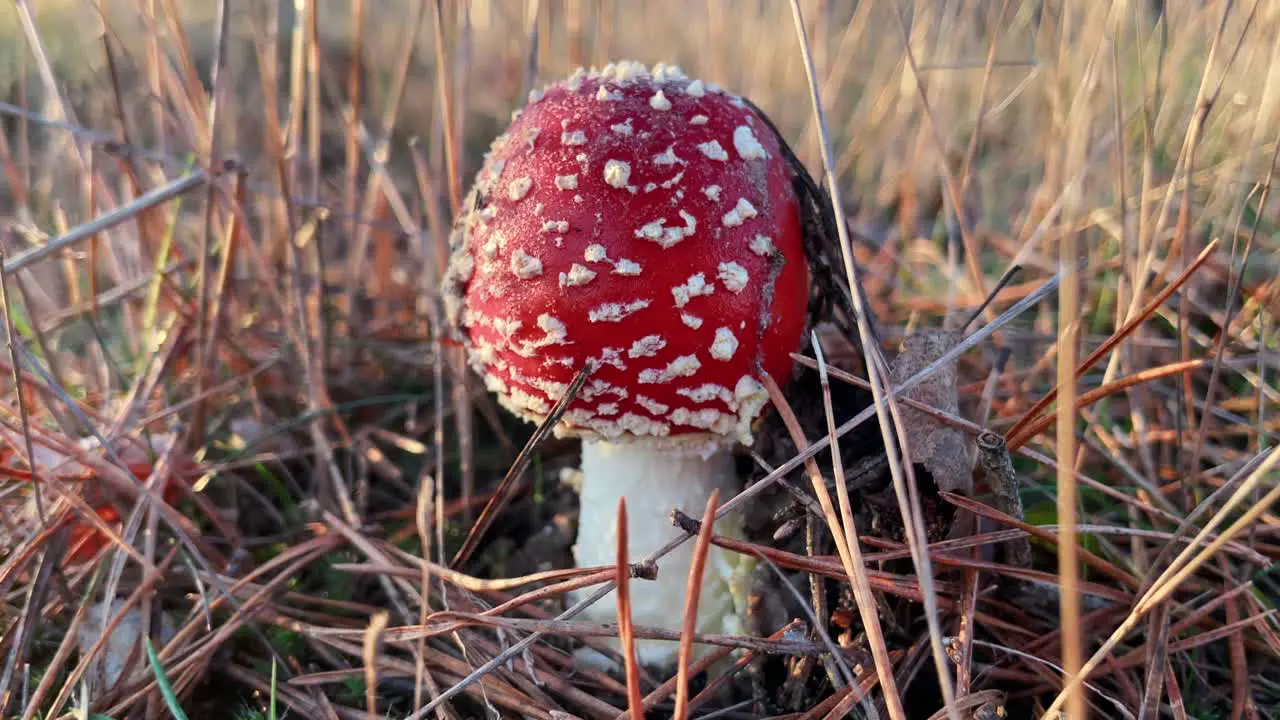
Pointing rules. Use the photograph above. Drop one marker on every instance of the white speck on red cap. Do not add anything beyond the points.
(748, 147)
(616, 173)
(577, 275)
(616, 312)
(595, 253)
(725, 344)
(712, 149)
(682, 366)
(744, 210)
(667, 157)
(626, 267)
(668, 236)
(733, 276)
(647, 346)
(652, 405)
(519, 188)
(762, 245)
(707, 392)
(704, 419)
(525, 266)
(611, 356)
(695, 286)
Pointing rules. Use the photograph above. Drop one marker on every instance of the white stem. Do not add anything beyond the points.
(654, 481)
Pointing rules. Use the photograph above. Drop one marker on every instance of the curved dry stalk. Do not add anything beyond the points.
(451, 621)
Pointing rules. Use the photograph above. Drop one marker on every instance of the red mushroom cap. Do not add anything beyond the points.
(644, 222)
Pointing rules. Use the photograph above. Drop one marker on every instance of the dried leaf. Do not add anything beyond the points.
(111, 662)
(940, 449)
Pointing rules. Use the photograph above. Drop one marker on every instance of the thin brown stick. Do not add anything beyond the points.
(693, 590)
(626, 631)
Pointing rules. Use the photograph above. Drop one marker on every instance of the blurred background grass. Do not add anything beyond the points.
(1057, 69)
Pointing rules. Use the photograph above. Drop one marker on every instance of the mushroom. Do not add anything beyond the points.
(642, 225)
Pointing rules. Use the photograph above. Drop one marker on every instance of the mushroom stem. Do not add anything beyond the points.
(655, 481)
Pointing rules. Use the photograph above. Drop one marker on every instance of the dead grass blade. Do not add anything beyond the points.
(846, 542)
(108, 220)
(372, 648)
(1067, 416)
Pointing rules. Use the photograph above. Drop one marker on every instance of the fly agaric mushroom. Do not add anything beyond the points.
(643, 225)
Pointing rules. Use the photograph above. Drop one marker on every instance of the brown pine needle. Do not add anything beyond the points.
(692, 592)
(1042, 423)
(1120, 334)
(626, 632)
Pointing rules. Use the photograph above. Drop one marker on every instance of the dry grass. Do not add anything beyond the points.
(222, 239)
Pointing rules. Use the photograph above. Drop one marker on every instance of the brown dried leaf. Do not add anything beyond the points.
(941, 449)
